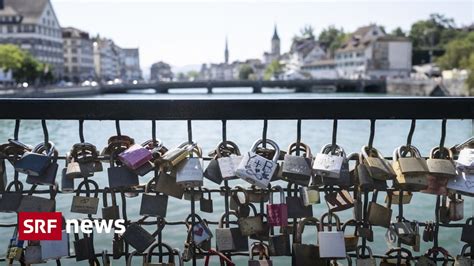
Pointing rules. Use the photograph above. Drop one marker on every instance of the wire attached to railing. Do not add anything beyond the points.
(81, 130)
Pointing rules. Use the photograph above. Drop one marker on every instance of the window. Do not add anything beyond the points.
(10, 29)
(74, 59)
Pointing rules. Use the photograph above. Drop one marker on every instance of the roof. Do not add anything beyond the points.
(31, 10)
(275, 34)
(389, 38)
(303, 45)
(359, 39)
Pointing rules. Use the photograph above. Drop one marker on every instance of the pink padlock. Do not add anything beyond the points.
(135, 156)
(277, 213)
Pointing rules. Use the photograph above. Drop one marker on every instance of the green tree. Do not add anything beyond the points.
(398, 32)
(434, 32)
(458, 53)
(192, 75)
(245, 72)
(30, 70)
(332, 38)
(307, 32)
(470, 80)
(274, 69)
(11, 57)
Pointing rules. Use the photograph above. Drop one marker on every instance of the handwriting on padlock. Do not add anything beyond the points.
(199, 231)
(258, 169)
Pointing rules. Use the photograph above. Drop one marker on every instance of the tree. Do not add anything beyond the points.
(307, 32)
(433, 33)
(332, 38)
(273, 70)
(193, 75)
(245, 72)
(398, 32)
(458, 53)
(11, 57)
(470, 79)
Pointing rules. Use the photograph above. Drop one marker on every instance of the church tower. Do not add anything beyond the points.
(275, 43)
(226, 52)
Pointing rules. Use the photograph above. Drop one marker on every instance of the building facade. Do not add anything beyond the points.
(33, 26)
(370, 53)
(275, 51)
(105, 59)
(78, 55)
(161, 71)
(132, 65)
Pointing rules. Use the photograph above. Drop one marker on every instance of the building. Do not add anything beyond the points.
(161, 71)
(321, 69)
(370, 53)
(33, 25)
(106, 59)
(274, 53)
(78, 55)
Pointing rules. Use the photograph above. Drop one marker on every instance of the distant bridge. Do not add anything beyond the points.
(306, 85)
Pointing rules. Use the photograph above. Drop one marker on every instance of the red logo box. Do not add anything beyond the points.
(40, 225)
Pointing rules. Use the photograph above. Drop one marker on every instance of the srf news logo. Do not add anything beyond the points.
(49, 226)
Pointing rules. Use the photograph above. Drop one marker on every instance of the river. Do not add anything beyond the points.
(351, 136)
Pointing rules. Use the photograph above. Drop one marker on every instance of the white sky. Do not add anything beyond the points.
(193, 32)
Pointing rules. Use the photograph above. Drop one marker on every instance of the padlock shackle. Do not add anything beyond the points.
(104, 197)
(157, 245)
(302, 147)
(464, 249)
(14, 184)
(262, 250)
(338, 150)
(51, 153)
(400, 250)
(435, 153)
(282, 195)
(351, 222)
(224, 145)
(234, 195)
(361, 248)
(85, 182)
(301, 225)
(329, 215)
(272, 143)
(221, 220)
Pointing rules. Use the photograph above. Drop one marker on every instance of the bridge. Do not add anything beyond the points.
(306, 85)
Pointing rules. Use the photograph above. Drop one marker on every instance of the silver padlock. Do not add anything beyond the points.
(189, 172)
(256, 169)
(328, 163)
(55, 249)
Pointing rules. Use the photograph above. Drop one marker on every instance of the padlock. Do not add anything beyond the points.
(465, 161)
(15, 247)
(154, 205)
(440, 163)
(296, 207)
(105, 258)
(3, 176)
(437, 185)
(306, 254)
(295, 168)
(278, 213)
(258, 195)
(412, 172)
(110, 213)
(206, 204)
(67, 184)
(405, 197)
(264, 257)
(84, 247)
(366, 232)
(239, 201)
(443, 211)
(378, 214)
(176, 155)
(120, 176)
(328, 163)
(264, 234)
(160, 246)
(48, 175)
(166, 184)
(189, 173)
(35, 163)
(228, 159)
(195, 194)
(279, 245)
(200, 230)
(413, 240)
(87, 204)
(331, 243)
(378, 167)
(137, 237)
(86, 158)
(358, 212)
(157, 149)
(402, 254)
(456, 208)
(117, 247)
(212, 172)
(10, 201)
(135, 156)
(256, 169)
(55, 249)
(30, 203)
(467, 234)
(426, 260)
(73, 170)
(252, 224)
(338, 200)
(463, 184)
(463, 259)
(230, 239)
(33, 253)
(367, 260)
(350, 240)
(364, 181)
(310, 195)
(220, 255)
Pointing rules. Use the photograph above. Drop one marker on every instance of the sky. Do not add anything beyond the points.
(193, 32)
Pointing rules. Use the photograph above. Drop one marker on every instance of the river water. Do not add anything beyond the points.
(351, 135)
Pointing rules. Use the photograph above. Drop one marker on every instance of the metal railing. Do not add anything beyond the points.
(324, 108)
